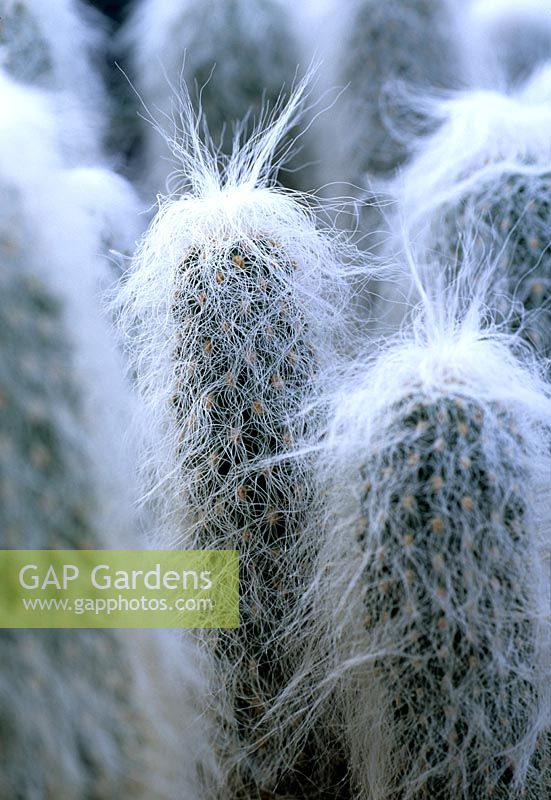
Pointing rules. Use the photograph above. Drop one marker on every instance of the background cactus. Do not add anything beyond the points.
(514, 221)
(57, 46)
(378, 51)
(497, 186)
(91, 686)
(239, 54)
(231, 288)
(118, 709)
(514, 38)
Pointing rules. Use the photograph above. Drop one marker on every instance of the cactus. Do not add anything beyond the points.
(495, 186)
(239, 54)
(382, 47)
(57, 46)
(85, 685)
(231, 291)
(117, 709)
(448, 597)
(430, 598)
(514, 221)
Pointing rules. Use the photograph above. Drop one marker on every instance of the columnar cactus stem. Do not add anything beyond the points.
(427, 615)
(382, 47)
(83, 712)
(448, 602)
(85, 685)
(491, 201)
(231, 288)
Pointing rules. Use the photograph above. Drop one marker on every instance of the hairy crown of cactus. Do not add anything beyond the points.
(491, 201)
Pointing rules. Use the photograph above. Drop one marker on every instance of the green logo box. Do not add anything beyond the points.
(119, 589)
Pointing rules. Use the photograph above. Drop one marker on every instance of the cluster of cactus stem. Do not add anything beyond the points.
(426, 577)
(448, 600)
(244, 366)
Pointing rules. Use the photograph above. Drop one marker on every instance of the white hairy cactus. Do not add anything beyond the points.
(231, 302)
(377, 51)
(513, 37)
(239, 54)
(488, 168)
(428, 634)
(119, 710)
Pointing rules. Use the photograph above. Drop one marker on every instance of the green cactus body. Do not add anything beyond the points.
(243, 369)
(449, 598)
(383, 45)
(512, 216)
